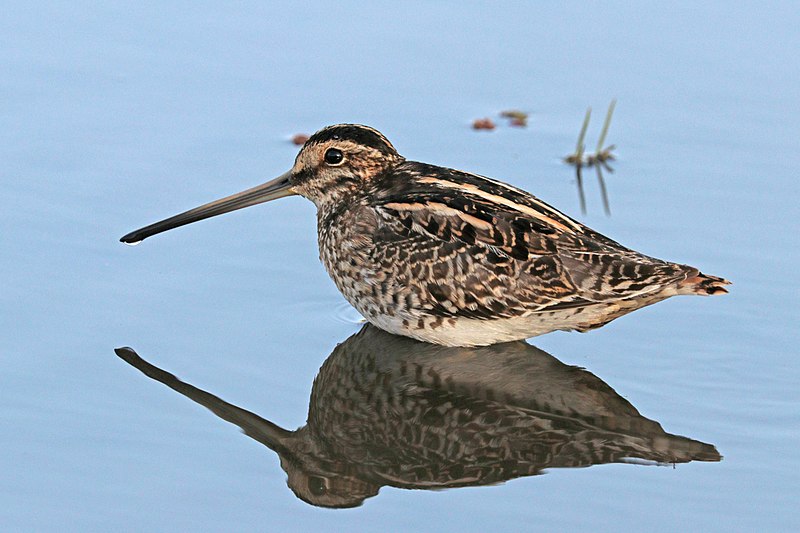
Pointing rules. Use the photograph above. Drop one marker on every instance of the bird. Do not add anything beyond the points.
(391, 411)
(451, 257)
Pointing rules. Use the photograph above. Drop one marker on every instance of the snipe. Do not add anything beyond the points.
(450, 257)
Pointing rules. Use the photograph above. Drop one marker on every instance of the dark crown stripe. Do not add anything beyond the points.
(356, 133)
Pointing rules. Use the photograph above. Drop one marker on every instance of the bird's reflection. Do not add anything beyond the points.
(389, 410)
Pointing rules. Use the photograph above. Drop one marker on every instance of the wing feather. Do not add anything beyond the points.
(511, 253)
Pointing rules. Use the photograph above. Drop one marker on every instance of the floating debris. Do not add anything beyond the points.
(483, 124)
(517, 119)
(577, 156)
(603, 154)
(599, 159)
(299, 139)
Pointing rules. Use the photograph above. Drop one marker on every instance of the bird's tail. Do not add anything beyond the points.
(703, 284)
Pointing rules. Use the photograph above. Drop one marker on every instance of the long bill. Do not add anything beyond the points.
(271, 190)
(267, 433)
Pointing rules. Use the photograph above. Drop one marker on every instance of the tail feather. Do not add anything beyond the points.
(704, 285)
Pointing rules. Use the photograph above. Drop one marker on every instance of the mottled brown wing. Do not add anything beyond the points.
(471, 267)
(512, 262)
(609, 275)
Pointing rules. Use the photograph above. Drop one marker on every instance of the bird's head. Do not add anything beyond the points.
(340, 159)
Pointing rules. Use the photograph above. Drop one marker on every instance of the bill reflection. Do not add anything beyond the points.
(391, 411)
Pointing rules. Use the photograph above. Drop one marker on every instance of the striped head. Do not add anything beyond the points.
(340, 159)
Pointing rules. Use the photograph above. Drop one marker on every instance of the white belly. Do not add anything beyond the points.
(473, 332)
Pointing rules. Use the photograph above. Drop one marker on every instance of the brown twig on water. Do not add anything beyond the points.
(299, 139)
(483, 124)
(516, 118)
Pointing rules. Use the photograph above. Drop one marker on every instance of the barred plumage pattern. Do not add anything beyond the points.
(450, 257)
(391, 411)
(455, 258)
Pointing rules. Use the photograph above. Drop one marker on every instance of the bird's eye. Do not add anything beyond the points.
(333, 156)
(317, 485)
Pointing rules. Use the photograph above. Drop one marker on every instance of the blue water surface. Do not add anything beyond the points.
(116, 115)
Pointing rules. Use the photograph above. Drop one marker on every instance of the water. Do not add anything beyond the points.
(391, 411)
(115, 117)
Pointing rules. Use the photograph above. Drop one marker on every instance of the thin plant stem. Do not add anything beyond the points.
(580, 148)
(603, 191)
(606, 124)
(579, 179)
